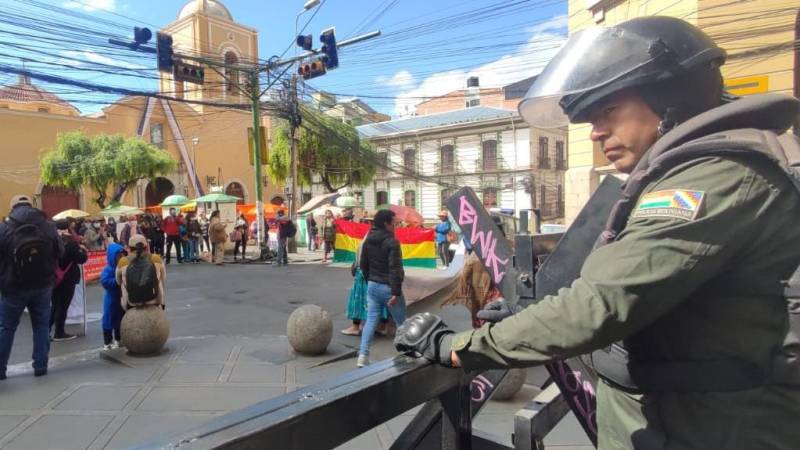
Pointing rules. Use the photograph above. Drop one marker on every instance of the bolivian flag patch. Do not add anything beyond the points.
(677, 203)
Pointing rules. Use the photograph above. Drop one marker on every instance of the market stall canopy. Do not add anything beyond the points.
(250, 211)
(71, 213)
(189, 207)
(118, 210)
(217, 197)
(317, 201)
(175, 200)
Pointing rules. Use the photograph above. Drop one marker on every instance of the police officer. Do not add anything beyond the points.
(686, 281)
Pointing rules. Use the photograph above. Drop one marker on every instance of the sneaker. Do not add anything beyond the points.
(39, 372)
(64, 337)
(363, 360)
(115, 344)
(107, 347)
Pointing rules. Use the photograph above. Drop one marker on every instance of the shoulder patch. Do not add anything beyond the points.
(675, 203)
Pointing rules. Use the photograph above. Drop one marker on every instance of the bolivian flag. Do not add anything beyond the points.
(419, 249)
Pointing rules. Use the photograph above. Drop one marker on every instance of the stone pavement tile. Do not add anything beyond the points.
(192, 373)
(23, 392)
(7, 423)
(102, 371)
(98, 398)
(122, 357)
(214, 350)
(61, 432)
(365, 441)
(258, 373)
(212, 398)
(399, 423)
(511, 406)
(138, 429)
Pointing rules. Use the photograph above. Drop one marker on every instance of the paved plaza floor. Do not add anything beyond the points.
(226, 351)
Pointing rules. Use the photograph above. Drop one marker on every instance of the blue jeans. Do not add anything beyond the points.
(11, 308)
(378, 295)
(283, 257)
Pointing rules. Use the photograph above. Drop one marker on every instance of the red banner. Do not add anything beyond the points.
(94, 265)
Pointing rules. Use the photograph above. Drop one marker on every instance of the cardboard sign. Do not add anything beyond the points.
(485, 237)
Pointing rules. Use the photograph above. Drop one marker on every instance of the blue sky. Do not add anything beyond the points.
(428, 47)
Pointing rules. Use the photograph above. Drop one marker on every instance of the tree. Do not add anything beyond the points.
(328, 148)
(102, 162)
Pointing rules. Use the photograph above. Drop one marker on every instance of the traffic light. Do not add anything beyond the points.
(164, 52)
(305, 42)
(188, 72)
(312, 69)
(328, 39)
(141, 35)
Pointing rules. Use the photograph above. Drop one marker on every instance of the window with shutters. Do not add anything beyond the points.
(381, 198)
(561, 158)
(447, 159)
(544, 158)
(410, 198)
(490, 197)
(489, 155)
(410, 160)
(543, 200)
(383, 160)
(445, 194)
(560, 199)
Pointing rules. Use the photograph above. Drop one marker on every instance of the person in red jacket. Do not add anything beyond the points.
(172, 228)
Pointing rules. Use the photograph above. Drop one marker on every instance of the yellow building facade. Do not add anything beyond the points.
(209, 142)
(759, 35)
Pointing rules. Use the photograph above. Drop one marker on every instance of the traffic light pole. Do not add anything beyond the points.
(255, 102)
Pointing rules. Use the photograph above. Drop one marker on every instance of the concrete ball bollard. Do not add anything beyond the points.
(144, 330)
(310, 330)
(510, 385)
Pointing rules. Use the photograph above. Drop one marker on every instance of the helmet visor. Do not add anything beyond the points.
(590, 59)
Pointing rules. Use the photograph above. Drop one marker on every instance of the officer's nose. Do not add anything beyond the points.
(599, 133)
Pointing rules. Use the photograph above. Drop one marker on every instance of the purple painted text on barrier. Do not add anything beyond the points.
(578, 392)
(488, 242)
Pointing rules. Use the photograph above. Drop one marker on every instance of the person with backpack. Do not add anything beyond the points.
(112, 300)
(141, 276)
(688, 308)
(286, 231)
(68, 274)
(29, 251)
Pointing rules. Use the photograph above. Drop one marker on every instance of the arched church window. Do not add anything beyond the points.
(231, 76)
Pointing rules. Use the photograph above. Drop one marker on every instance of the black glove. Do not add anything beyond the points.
(498, 310)
(425, 335)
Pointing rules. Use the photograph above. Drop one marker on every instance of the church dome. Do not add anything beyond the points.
(212, 8)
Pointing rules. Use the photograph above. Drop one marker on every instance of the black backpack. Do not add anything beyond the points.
(291, 230)
(31, 255)
(141, 280)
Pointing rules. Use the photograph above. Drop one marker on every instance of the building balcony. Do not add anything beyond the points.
(490, 165)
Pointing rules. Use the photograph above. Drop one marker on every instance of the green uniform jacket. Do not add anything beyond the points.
(700, 288)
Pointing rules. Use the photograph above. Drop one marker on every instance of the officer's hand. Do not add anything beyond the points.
(425, 335)
(498, 310)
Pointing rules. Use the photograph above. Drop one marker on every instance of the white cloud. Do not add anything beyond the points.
(88, 55)
(527, 61)
(402, 79)
(92, 5)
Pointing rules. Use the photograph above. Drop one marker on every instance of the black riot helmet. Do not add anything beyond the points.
(672, 64)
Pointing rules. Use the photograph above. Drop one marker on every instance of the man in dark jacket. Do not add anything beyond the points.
(26, 287)
(381, 262)
(286, 230)
(74, 255)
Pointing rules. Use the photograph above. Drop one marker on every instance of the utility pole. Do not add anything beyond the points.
(295, 127)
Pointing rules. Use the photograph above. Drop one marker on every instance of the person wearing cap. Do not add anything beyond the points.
(69, 264)
(442, 244)
(21, 289)
(682, 307)
(139, 249)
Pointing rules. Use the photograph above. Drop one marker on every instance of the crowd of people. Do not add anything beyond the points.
(40, 268)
